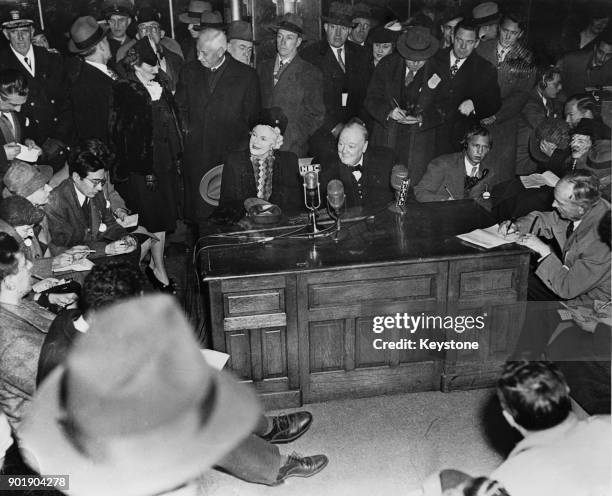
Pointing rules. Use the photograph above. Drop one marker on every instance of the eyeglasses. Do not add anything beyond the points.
(96, 182)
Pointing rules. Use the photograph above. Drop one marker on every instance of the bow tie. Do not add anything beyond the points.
(357, 168)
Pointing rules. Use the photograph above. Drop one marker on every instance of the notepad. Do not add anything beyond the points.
(489, 237)
(82, 265)
(538, 180)
(28, 154)
(128, 221)
(216, 359)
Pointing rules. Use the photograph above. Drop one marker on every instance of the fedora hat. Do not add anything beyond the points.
(210, 20)
(240, 30)
(23, 179)
(135, 410)
(210, 185)
(340, 14)
(17, 211)
(85, 33)
(16, 20)
(290, 22)
(194, 11)
(485, 13)
(362, 11)
(417, 43)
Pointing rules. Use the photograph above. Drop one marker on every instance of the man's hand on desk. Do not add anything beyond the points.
(534, 243)
(127, 244)
(507, 227)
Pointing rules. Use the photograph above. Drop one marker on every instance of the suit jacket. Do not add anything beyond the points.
(68, 225)
(23, 330)
(8, 135)
(57, 343)
(476, 80)
(47, 95)
(447, 172)
(238, 184)
(299, 92)
(375, 179)
(577, 74)
(90, 96)
(583, 275)
(216, 122)
(354, 81)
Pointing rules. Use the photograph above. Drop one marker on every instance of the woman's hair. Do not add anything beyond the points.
(8, 255)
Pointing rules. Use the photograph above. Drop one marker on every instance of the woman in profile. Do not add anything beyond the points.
(147, 139)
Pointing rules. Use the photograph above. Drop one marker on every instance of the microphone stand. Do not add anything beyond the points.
(312, 209)
(336, 213)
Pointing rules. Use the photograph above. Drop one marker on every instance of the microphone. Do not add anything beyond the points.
(312, 195)
(400, 182)
(335, 195)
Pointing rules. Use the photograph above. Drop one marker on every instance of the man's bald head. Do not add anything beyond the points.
(211, 47)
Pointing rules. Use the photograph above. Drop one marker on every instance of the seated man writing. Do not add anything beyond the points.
(79, 214)
(456, 176)
(262, 171)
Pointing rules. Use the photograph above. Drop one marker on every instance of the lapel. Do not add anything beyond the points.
(332, 61)
(17, 124)
(77, 211)
(7, 132)
(288, 73)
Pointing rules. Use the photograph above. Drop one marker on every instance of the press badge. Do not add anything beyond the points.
(344, 99)
(434, 81)
(102, 227)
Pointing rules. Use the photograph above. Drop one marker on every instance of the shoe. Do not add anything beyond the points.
(301, 466)
(169, 288)
(287, 428)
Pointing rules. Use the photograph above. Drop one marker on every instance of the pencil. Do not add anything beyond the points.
(535, 219)
(450, 195)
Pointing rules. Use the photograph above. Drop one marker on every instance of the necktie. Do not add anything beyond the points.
(340, 61)
(277, 74)
(409, 78)
(454, 69)
(474, 171)
(7, 121)
(357, 172)
(570, 230)
(27, 61)
(86, 212)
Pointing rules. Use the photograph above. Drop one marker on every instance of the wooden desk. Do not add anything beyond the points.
(296, 315)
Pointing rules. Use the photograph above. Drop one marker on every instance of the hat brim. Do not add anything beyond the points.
(213, 25)
(339, 21)
(100, 34)
(44, 176)
(285, 26)
(19, 23)
(185, 18)
(410, 54)
(211, 196)
(46, 448)
(486, 20)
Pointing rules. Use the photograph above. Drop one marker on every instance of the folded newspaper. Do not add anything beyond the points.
(547, 178)
(489, 237)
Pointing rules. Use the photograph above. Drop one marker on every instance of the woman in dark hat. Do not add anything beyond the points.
(262, 171)
(147, 138)
(383, 39)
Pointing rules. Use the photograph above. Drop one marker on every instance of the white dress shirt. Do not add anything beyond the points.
(31, 68)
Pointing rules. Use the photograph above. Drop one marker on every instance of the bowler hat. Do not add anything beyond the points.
(240, 30)
(340, 14)
(417, 43)
(16, 20)
(210, 20)
(485, 13)
(273, 117)
(84, 34)
(117, 7)
(362, 11)
(194, 11)
(135, 410)
(600, 155)
(147, 13)
(24, 179)
(290, 22)
(17, 211)
(210, 185)
(555, 131)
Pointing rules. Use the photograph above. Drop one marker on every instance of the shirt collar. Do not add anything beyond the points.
(81, 325)
(80, 196)
(99, 66)
(29, 55)
(469, 165)
(219, 64)
(454, 59)
(545, 437)
(286, 61)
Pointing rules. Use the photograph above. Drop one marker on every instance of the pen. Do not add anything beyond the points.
(37, 277)
(535, 219)
(450, 195)
(395, 103)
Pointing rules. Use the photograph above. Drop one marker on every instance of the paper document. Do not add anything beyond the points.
(128, 221)
(216, 359)
(489, 237)
(28, 155)
(48, 283)
(79, 266)
(538, 180)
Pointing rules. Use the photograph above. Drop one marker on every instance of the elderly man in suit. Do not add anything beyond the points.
(364, 172)
(44, 71)
(456, 176)
(240, 41)
(90, 86)
(464, 87)
(13, 129)
(294, 85)
(219, 101)
(346, 74)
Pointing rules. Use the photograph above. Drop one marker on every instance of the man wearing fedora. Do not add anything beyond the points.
(91, 83)
(240, 41)
(485, 17)
(44, 72)
(189, 419)
(346, 74)
(191, 18)
(118, 14)
(395, 100)
(218, 100)
(362, 23)
(462, 86)
(296, 86)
